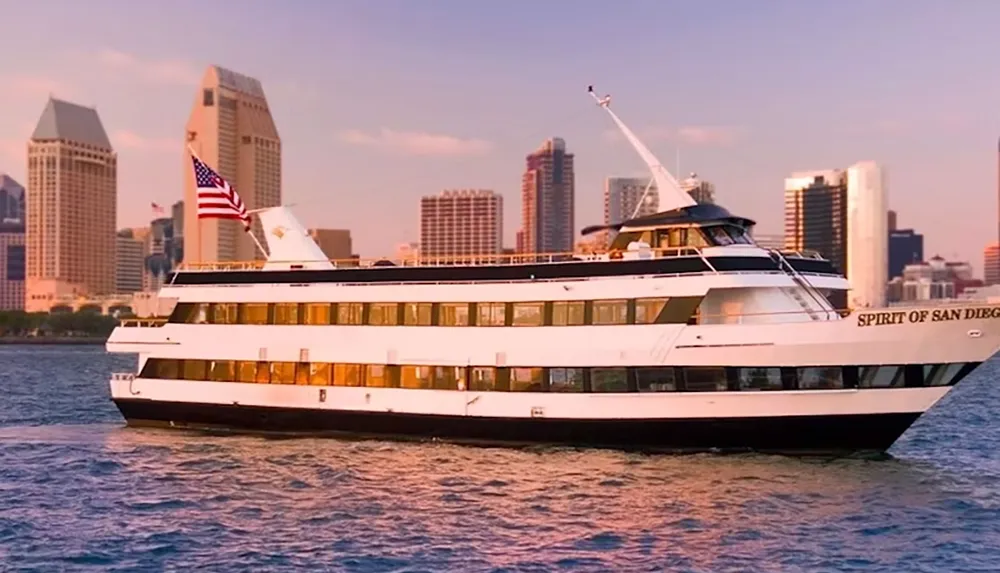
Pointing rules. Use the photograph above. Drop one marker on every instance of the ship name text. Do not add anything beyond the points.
(916, 316)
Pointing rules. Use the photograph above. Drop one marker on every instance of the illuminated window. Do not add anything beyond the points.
(417, 314)
(454, 314)
(568, 313)
(350, 312)
(223, 371)
(286, 313)
(302, 373)
(610, 312)
(263, 375)
(447, 377)
(528, 314)
(347, 375)
(317, 313)
(319, 373)
(483, 379)
(375, 376)
(491, 314)
(246, 371)
(383, 314)
(224, 313)
(415, 377)
(194, 369)
(648, 309)
(282, 373)
(253, 313)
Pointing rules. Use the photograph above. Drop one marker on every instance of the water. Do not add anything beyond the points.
(78, 491)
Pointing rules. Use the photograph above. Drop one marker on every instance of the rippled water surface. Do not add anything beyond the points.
(79, 491)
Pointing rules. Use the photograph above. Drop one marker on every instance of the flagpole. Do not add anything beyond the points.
(193, 136)
(248, 230)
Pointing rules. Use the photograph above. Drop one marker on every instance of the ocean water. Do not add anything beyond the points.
(79, 491)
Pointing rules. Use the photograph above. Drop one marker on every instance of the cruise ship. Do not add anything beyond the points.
(684, 336)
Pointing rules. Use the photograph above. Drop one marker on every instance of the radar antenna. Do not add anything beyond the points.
(670, 192)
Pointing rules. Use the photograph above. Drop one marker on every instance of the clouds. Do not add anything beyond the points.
(168, 71)
(417, 143)
(696, 135)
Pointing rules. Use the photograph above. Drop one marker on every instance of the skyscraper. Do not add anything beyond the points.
(11, 199)
(71, 203)
(231, 129)
(622, 201)
(129, 262)
(11, 265)
(991, 264)
(459, 223)
(547, 200)
(335, 243)
(867, 235)
(816, 214)
(699, 190)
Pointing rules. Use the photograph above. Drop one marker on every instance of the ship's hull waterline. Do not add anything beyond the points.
(832, 434)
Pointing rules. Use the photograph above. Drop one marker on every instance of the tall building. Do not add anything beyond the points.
(163, 252)
(547, 200)
(867, 235)
(231, 129)
(12, 265)
(335, 243)
(463, 222)
(991, 264)
(700, 191)
(71, 203)
(11, 199)
(622, 197)
(892, 220)
(129, 262)
(816, 214)
(906, 247)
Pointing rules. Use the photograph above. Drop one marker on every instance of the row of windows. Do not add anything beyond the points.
(677, 310)
(613, 379)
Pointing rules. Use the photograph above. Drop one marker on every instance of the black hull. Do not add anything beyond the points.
(787, 435)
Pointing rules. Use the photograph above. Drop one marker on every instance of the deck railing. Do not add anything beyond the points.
(475, 260)
(143, 322)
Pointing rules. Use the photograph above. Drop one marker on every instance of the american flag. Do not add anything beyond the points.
(217, 199)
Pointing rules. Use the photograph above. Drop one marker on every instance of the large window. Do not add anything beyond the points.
(317, 313)
(491, 314)
(656, 379)
(569, 313)
(526, 379)
(418, 313)
(760, 378)
(286, 313)
(566, 380)
(528, 314)
(253, 313)
(609, 379)
(454, 314)
(350, 313)
(224, 313)
(383, 314)
(647, 310)
(705, 379)
(610, 312)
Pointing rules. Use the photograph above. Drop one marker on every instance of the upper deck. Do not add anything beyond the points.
(511, 268)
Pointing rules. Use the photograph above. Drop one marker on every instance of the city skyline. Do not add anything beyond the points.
(739, 124)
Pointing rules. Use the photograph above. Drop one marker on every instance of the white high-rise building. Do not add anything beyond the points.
(867, 235)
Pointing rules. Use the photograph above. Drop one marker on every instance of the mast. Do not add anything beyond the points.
(671, 195)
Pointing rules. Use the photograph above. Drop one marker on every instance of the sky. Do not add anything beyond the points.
(379, 102)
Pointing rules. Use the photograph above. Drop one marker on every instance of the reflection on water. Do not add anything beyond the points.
(77, 489)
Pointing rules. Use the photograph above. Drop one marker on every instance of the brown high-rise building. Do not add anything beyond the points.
(459, 223)
(71, 204)
(335, 243)
(816, 214)
(547, 200)
(231, 129)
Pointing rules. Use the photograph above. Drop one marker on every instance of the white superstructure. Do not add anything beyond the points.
(686, 335)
